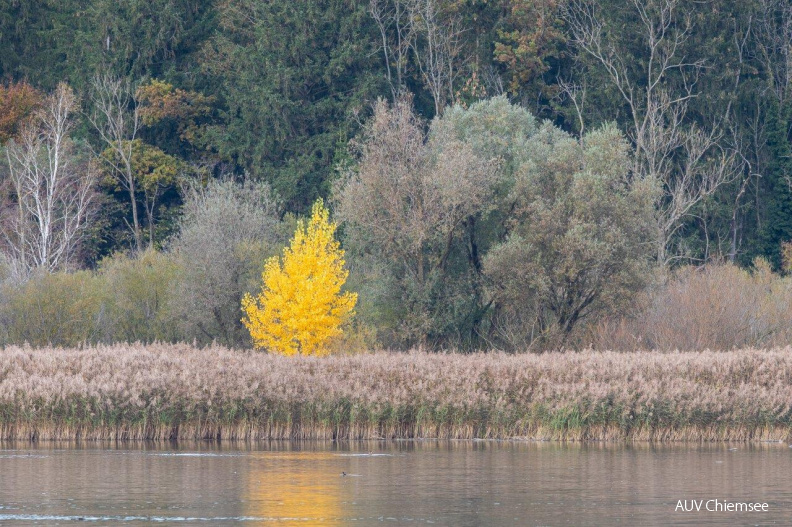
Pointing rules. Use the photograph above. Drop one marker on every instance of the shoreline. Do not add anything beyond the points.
(176, 392)
(47, 434)
(417, 440)
(366, 445)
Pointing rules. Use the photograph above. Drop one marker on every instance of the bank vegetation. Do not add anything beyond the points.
(168, 392)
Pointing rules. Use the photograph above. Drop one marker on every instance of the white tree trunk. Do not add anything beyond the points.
(53, 194)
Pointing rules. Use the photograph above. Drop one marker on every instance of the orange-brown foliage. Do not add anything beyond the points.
(17, 102)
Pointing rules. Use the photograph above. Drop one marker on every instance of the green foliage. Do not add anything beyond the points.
(69, 40)
(176, 119)
(138, 297)
(156, 174)
(409, 203)
(275, 91)
(292, 75)
(152, 168)
(493, 127)
(534, 233)
(227, 230)
(59, 309)
(777, 227)
(127, 299)
(530, 43)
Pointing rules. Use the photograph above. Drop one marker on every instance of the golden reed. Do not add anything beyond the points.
(159, 392)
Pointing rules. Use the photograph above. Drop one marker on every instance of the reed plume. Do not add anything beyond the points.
(157, 392)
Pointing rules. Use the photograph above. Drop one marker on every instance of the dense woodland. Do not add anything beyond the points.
(510, 174)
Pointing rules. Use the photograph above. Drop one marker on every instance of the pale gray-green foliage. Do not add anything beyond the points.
(422, 207)
(494, 128)
(405, 205)
(498, 130)
(581, 240)
(227, 231)
(491, 228)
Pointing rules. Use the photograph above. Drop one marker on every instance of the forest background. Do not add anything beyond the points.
(509, 174)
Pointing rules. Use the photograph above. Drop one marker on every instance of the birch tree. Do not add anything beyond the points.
(53, 193)
(116, 118)
(422, 30)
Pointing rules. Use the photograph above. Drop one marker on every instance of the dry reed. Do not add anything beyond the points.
(180, 392)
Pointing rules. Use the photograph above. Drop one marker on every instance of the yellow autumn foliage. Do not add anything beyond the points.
(301, 308)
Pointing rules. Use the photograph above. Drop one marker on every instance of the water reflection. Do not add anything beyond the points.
(447, 483)
(295, 487)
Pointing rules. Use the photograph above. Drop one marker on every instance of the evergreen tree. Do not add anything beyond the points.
(777, 226)
(293, 75)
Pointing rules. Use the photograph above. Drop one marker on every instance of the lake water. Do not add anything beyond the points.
(396, 483)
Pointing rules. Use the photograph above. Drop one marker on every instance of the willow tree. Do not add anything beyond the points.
(406, 203)
(580, 242)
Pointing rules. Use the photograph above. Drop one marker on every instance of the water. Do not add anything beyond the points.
(398, 483)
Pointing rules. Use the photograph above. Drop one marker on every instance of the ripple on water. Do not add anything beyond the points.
(153, 519)
(364, 455)
(194, 454)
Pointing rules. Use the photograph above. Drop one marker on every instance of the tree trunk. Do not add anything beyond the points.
(135, 220)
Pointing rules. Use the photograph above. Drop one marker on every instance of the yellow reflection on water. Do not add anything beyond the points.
(296, 488)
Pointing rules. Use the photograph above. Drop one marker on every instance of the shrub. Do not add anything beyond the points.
(226, 231)
(138, 294)
(59, 309)
(717, 307)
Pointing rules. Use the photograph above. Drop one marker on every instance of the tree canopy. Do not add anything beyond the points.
(453, 140)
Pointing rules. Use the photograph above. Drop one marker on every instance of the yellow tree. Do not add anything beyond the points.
(301, 308)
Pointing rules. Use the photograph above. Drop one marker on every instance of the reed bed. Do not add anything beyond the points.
(161, 392)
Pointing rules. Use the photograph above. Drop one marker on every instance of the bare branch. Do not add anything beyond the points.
(116, 118)
(684, 163)
(53, 195)
(418, 28)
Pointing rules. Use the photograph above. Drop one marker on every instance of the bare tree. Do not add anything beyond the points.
(438, 50)
(117, 120)
(741, 134)
(420, 29)
(773, 35)
(576, 94)
(397, 32)
(53, 193)
(686, 162)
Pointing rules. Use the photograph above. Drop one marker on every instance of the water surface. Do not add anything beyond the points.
(400, 483)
